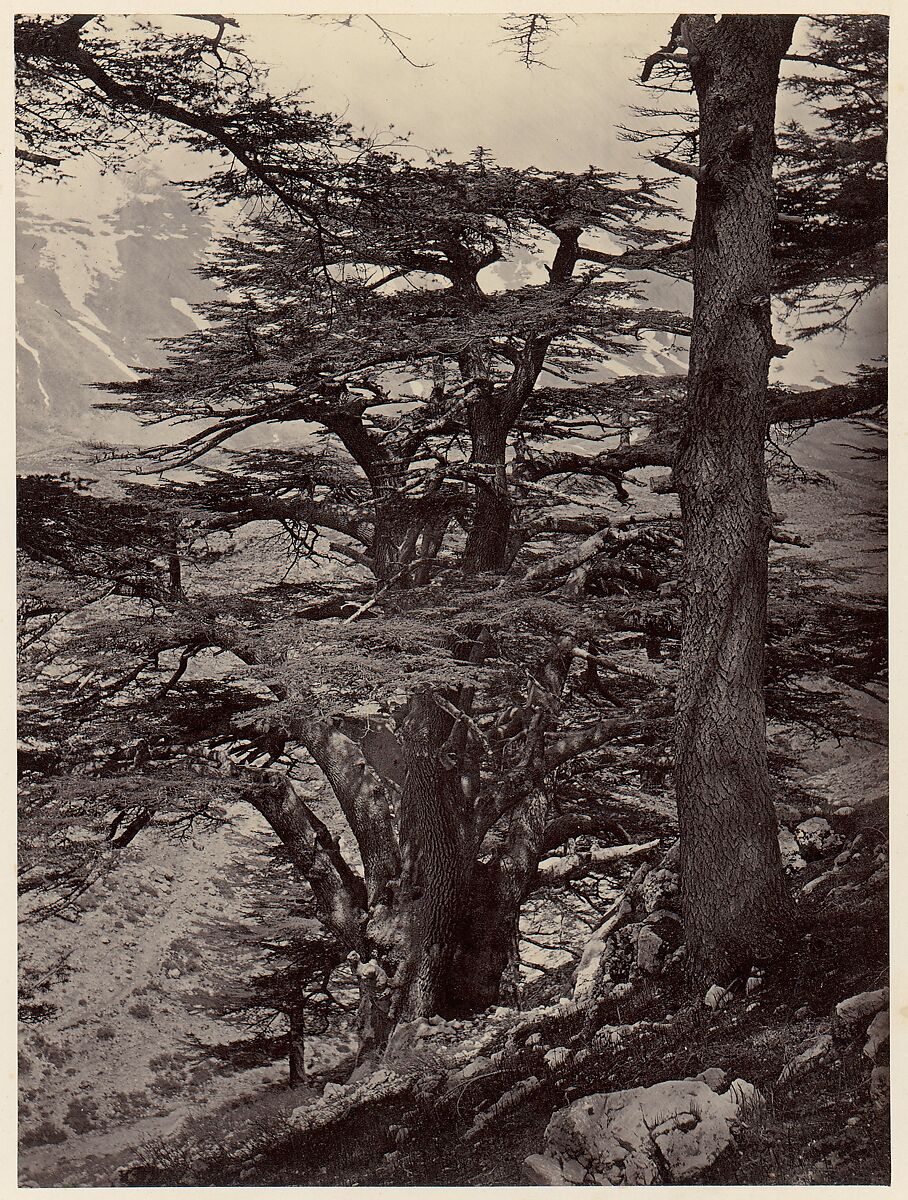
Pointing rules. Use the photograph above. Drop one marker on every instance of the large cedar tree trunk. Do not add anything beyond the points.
(735, 902)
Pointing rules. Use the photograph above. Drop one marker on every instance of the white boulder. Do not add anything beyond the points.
(860, 1008)
(670, 1132)
(816, 838)
(791, 851)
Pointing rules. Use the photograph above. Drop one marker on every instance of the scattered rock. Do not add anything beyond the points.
(844, 810)
(573, 1171)
(816, 838)
(756, 981)
(174, 973)
(660, 889)
(791, 852)
(650, 951)
(879, 1087)
(332, 1091)
(542, 1172)
(808, 1060)
(857, 1009)
(877, 1035)
(841, 859)
(715, 1078)
(556, 1057)
(639, 1136)
(813, 884)
(787, 814)
(717, 997)
(479, 1066)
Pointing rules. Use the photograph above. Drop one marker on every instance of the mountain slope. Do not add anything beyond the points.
(104, 266)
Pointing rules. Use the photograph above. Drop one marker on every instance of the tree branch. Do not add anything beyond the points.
(361, 795)
(562, 747)
(679, 168)
(576, 866)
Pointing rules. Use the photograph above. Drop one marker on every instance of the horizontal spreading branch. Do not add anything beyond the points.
(576, 866)
(836, 402)
(562, 747)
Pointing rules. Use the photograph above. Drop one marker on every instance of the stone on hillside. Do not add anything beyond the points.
(787, 814)
(542, 1172)
(479, 1066)
(556, 1057)
(879, 1087)
(816, 838)
(860, 1008)
(791, 852)
(660, 889)
(808, 1060)
(650, 951)
(333, 1090)
(717, 997)
(877, 1035)
(715, 1078)
(635, 1137)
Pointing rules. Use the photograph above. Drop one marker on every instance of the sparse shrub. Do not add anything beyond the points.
(25, 1064)
(82, 1115)
(140, 1010)
(130, 1104)
(56, 1055)
(106, 1033)
(44, 1134)
(169, 1085)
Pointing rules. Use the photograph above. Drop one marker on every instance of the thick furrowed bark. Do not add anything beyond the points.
(734, 894)
(437, 848)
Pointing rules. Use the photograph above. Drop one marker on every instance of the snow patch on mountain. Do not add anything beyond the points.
(37, 359)
(106, 350)
(99, 258)
(187, 310)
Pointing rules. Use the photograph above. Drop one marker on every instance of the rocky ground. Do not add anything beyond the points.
(782, 1078)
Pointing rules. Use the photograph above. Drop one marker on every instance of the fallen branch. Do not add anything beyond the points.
(576, 866)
